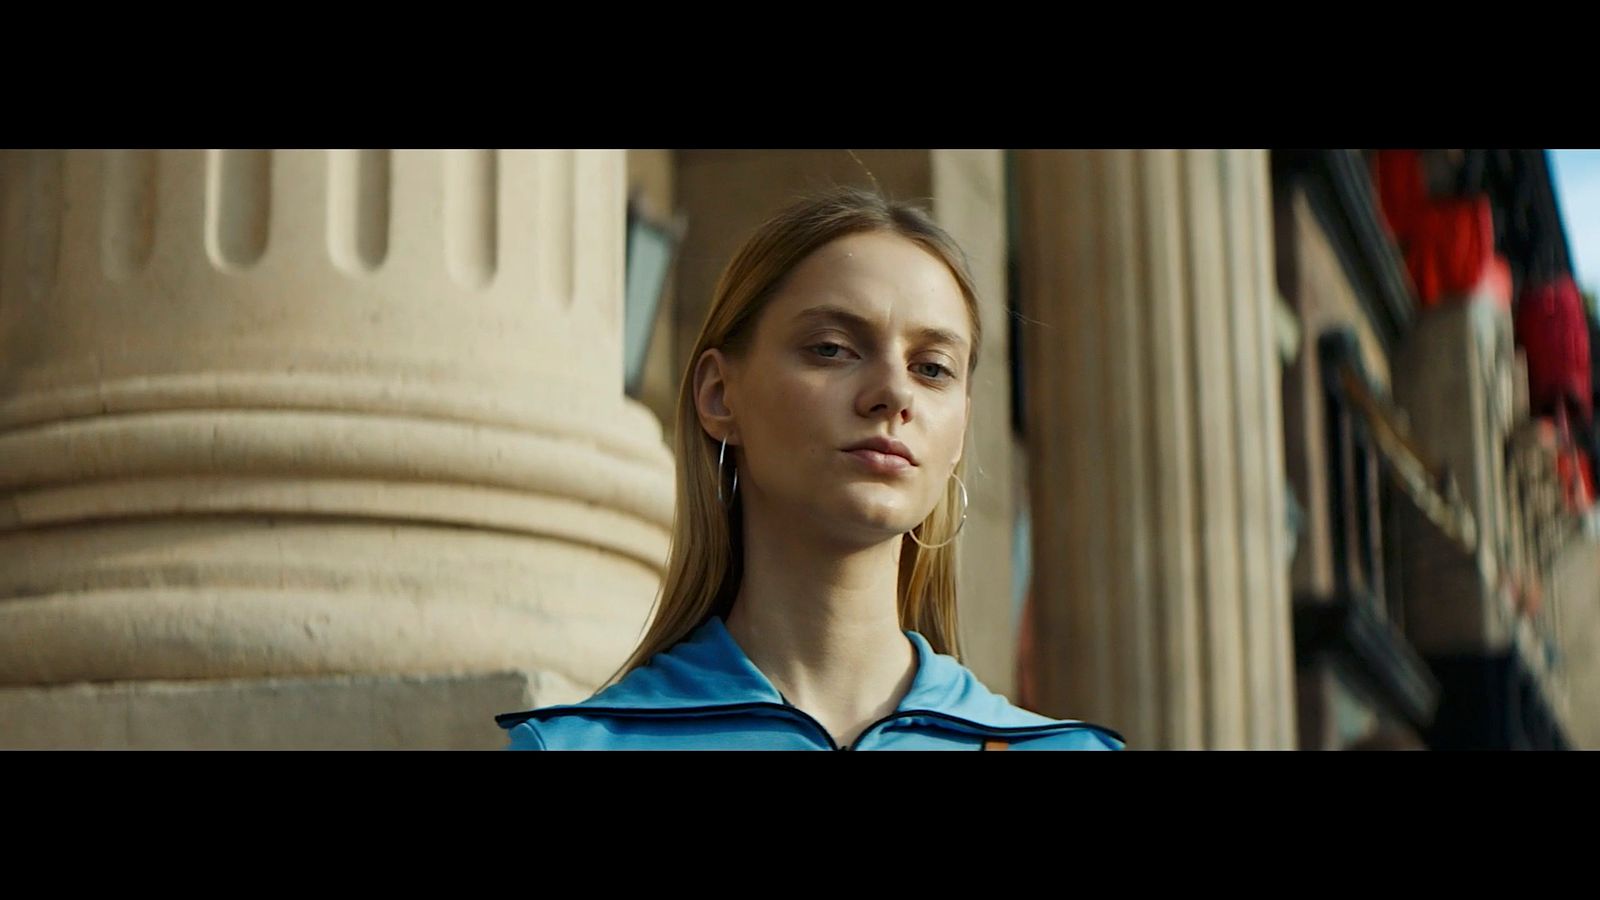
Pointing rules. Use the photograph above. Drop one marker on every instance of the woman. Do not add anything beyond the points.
(810, 598)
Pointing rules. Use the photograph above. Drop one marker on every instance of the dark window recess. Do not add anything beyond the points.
(1390, 501)
(1355, 483)
(650, 254)
(1358, 628)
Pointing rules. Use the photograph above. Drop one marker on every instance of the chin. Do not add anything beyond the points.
(888, 518)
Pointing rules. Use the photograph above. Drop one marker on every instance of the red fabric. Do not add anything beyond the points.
(1552, 329)
(1572, 466)
(1497, 281)
(1401, 191)
(1448, 243)
(1451, 252)
(1577, 481)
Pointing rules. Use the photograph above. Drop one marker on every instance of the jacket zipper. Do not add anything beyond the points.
(807, 717)
(1008, 730)
(912, 713)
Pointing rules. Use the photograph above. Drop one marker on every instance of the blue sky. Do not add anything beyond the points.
(1577, 176)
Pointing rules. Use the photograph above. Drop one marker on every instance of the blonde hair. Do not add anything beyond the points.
(705, 562)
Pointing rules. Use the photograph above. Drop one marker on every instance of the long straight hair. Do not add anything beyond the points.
(706, 560)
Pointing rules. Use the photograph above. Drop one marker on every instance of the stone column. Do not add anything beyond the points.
(1155, 445)
(286, 414)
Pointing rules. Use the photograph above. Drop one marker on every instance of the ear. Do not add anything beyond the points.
(712, 398)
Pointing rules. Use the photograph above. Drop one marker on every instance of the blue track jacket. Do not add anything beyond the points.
(703, 693)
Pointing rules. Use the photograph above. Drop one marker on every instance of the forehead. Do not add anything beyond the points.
(883, 278)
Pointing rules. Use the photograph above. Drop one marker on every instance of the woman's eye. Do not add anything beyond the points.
(830, 350)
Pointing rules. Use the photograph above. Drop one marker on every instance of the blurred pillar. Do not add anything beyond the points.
(301, 413)
(1154, 445)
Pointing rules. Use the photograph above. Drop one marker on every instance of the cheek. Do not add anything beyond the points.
(948, 434)
(794, 424)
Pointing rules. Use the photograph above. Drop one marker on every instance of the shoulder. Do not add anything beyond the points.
(728, 729)
(1085, 737)
(1025, 729)
(567, 731)
(946, 688)
(526, 737)
(587, 724)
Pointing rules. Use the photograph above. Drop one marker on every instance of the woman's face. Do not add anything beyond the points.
(867, 338)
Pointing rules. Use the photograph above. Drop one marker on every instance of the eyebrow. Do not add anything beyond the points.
(828, 312)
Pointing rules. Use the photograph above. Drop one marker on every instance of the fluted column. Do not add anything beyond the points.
(268, 413)
(1155, 447)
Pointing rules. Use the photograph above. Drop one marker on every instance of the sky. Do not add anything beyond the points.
(1577, 177)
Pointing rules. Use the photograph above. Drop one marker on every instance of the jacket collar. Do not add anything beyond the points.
(708, 668)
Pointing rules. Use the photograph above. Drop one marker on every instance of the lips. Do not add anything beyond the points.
(881, 463)
(886, 446)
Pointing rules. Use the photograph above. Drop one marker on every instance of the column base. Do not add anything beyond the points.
(366, 712)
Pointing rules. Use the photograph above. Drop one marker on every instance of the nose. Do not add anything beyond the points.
(890, 395)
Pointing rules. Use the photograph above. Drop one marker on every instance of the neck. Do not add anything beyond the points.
(821, 621)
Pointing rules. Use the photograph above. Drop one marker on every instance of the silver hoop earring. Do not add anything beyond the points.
(720, 457)
(963, 486)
